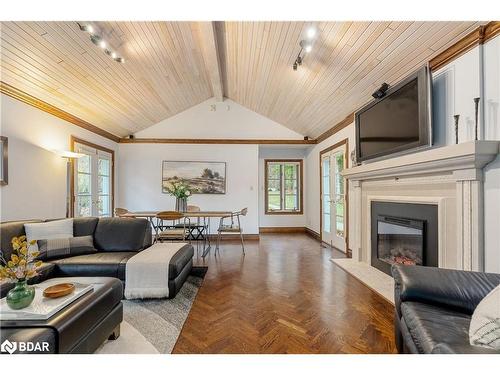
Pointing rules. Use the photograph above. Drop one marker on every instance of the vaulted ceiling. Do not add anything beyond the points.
(172, 66)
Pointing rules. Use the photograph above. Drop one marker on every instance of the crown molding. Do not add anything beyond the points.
(220, 141)
(24, 97)
(477, 37)
(336, 128)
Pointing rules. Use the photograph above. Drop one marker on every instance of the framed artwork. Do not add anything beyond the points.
(202, 177)
(4, 163)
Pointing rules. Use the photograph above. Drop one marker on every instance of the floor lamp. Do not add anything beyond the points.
(69, 156)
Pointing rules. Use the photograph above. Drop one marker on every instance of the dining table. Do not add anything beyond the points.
(151, 216)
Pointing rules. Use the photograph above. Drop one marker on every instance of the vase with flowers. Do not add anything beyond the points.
(181, 193)
(21, 267)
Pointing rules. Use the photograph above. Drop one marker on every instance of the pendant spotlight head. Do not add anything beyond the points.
(306, 45)
(380, 93)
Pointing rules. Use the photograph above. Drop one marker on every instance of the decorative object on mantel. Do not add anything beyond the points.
(456, 117)
(181, 193)
(201, 177)
(476, 112)
(21, 267)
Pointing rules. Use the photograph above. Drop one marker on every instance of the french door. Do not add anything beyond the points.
(333, 198)
(93, 174)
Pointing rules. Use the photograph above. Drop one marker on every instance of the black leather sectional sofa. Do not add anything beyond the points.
(116, 241)
(434, 307)
(87, 322)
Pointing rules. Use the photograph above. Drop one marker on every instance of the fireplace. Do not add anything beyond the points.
(403, 233)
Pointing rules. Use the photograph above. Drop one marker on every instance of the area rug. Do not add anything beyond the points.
(153, 326)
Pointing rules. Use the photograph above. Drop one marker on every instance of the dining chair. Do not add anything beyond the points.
(177, 230)
(121, 211)
(234, 227)
(196, 230)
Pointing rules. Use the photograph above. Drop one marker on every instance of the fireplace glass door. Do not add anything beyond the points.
(400, 241)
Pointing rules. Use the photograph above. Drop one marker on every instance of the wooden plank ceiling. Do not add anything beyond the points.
(169, 68)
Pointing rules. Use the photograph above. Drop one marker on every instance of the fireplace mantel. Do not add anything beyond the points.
(462, 157)
(450, 177)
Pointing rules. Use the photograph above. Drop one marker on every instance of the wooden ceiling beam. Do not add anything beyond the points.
(211, 56)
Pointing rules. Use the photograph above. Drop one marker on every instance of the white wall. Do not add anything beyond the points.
(37, 176)
(268, 152)
(229, 121)
(140, 167)
(140, 164)
(454, 87)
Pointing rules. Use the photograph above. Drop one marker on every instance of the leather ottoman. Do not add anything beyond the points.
(81, 327)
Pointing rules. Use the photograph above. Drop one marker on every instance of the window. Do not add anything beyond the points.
(93, 180)
(283, 186)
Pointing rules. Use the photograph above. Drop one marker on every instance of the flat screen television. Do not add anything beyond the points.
(398, 122)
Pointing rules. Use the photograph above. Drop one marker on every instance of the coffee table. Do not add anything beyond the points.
(80, 327)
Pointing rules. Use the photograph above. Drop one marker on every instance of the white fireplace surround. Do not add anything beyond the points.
(450, 177)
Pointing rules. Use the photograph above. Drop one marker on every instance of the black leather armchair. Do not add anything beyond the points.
(434, 307)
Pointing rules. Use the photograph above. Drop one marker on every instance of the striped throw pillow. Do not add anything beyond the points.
(65, 247)
(484, 327)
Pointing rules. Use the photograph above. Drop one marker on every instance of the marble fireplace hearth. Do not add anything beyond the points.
(449, 177)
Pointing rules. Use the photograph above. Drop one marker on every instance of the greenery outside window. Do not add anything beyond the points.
(283, 187)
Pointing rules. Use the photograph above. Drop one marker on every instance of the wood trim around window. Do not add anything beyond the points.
(346, 188)
(301, 186)
(74, 140)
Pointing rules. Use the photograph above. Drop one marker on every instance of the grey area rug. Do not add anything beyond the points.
(154, 323)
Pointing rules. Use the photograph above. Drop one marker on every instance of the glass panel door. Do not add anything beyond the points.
(93, 182)
(333, 198)
(83, 184)
(103, 184)
(326, 198)
(339, 194)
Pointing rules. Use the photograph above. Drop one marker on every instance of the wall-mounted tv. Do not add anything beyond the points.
(399, 121)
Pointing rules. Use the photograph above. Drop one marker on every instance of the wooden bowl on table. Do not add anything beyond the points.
(59, 290)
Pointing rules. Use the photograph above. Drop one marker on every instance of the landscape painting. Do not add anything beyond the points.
(201, 177)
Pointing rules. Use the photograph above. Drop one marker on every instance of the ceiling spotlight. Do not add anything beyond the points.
(311, 32)
(99, 41)
(306, 45)
(86, 28)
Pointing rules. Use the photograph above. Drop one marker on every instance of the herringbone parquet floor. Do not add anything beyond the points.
(284, 296)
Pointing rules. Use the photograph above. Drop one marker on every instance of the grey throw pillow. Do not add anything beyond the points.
(65, 247)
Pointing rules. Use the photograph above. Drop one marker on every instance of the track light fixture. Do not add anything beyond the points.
(306, 46)
(100, 42)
